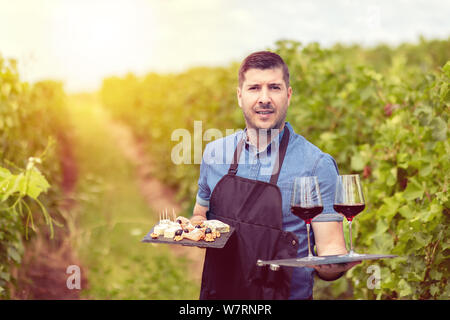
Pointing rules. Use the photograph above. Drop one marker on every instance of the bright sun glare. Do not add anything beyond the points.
(81, 42)
(93, 40)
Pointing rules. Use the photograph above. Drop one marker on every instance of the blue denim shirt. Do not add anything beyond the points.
(302, 159)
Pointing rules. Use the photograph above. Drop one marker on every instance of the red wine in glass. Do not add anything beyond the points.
(306, 203)
(306, 213)
(349, 210)
(349, 200)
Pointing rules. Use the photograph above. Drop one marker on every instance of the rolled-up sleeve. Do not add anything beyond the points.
(204, 192)
(327, 171)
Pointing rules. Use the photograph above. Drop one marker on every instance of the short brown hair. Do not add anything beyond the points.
(263, 60)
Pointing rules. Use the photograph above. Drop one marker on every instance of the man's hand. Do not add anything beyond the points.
(199, 214)
(332, 271)
(197, 219)
(330, 240)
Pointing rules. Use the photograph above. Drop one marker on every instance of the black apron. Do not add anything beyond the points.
(254, 209)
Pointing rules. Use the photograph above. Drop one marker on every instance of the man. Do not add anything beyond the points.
(244, 191)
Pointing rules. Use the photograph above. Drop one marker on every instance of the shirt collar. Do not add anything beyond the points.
(253, 148)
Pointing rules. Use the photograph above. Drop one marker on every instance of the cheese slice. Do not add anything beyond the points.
(218, 225)
(160, 228)
(170, 232)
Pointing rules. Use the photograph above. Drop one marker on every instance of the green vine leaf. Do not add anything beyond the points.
(414, 190)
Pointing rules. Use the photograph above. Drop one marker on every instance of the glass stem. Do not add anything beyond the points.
(309, 244)
(350, 235)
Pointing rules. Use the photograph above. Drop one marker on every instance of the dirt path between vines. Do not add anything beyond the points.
(42, 274)
(157, 195)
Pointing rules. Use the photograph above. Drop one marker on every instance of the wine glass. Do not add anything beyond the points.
(306, 203)
(349, 200)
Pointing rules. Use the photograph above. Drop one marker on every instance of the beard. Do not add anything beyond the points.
(251, 119)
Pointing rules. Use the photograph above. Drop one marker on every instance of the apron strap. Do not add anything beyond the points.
(237, 154)
(278, 160)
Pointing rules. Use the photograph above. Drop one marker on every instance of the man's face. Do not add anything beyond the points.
(264, 98)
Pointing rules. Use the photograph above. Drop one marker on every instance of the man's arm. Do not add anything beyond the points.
(329, 237)
(199, 214)
(204, 192)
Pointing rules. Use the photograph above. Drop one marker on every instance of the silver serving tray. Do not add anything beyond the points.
(302, 262)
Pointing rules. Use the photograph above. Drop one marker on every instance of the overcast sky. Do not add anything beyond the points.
(82, 41)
